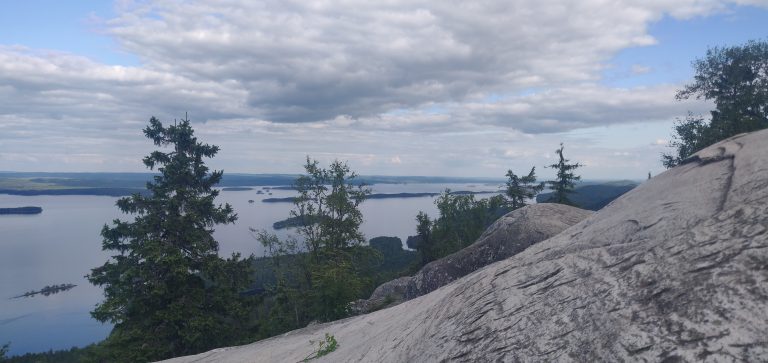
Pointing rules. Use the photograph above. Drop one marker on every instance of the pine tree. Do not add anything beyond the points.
(564, 183)
(521, 189)
(166, 289)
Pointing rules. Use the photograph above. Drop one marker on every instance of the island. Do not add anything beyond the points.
(21, 210)
(293, 222)
(48, 290)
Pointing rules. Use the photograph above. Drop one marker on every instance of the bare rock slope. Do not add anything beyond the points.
(508, 236)
(675, 270)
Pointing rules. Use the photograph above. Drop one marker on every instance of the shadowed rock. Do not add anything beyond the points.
(676, 270)
(511, 234)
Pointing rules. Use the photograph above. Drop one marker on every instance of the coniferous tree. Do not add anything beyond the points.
(424, 242)
(565, 181)
(521, 189)
(167, 291)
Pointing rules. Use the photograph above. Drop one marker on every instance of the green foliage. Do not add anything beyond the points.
(329, 198)
(462, 220)
(691, 135)
(736, 80)
(3, 351)
(423, 241)
(395, 260)
(330, 267)
(324, 347)
(91, 353)
(564, 182)
(521, 189)
(166, 289)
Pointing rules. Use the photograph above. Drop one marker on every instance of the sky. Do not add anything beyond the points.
(393, 87)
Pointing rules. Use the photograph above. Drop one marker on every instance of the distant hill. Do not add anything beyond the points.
(594, 196)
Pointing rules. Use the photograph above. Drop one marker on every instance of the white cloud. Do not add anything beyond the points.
(274, 79)
(640, 69)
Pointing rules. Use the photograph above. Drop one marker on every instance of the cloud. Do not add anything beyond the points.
(273, 79)
(303, 61)
(639, 69)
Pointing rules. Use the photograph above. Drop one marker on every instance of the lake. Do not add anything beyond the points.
(62, 244)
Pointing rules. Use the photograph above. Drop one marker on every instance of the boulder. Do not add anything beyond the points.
(676, 270)
(511, 234)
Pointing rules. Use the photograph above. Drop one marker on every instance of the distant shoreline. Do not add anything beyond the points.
(109, 192)
(392, 195)
(236, 189)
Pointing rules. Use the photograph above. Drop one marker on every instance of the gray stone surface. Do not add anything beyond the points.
(674, 271)
(511, 234)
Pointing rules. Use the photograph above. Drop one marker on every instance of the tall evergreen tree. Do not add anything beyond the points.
(565, 181)
(521, 189)
(166, 289)
(736, 80)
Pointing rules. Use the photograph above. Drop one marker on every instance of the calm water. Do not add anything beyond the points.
(62, 244)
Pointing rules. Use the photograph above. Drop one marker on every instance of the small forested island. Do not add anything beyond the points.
(48, 290)
(291, 222)
(21, 210)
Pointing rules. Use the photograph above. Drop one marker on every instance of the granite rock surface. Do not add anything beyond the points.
(676, 270)
(508, 236)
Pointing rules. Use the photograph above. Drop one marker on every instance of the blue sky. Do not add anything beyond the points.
(73, 26)
(397, 88)
(681, 41)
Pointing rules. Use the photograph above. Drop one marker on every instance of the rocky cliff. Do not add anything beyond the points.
(675, 270)
(508, 236)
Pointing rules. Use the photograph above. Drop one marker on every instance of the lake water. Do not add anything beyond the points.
(62, 244)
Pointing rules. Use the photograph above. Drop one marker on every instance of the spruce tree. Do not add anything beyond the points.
(167, 291)
(520, 189)
(565, 181)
